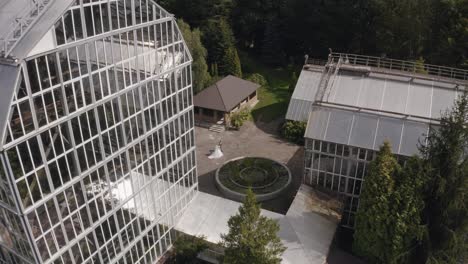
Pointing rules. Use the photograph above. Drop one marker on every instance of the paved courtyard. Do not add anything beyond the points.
(257, 139)
(253, 139)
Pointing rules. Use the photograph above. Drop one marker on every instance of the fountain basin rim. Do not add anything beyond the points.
(237, 196)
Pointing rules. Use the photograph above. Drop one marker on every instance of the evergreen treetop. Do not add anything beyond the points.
(446, 212)
(407, 205)
(230, 63)
(252, 238)
(371, 238)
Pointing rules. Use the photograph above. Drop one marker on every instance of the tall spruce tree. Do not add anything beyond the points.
(252, 238)
(220, 42)
(217, 38)
(446, 212)
(230, 63)
(201, 76)
(371, 237)
(407, 205)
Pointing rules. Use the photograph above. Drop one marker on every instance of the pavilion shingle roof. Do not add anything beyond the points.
(226, 94)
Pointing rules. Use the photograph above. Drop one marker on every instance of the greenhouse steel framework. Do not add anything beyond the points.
(353, 103)
(97, 153)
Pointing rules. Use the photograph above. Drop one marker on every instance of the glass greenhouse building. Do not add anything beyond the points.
(97, 154)
(354, 103)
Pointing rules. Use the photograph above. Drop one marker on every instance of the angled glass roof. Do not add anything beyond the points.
(345, 85)
(304, 94)
(396, 94)
(30, 22)
(8, 82)
(366, 130)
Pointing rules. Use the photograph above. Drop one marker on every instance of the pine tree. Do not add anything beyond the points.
(217, 38)
(407, 205)
(252, 238)
(214, 70)
(220, 42)
(446, 212)
(374, 212)
(201, 76)
(230, 64)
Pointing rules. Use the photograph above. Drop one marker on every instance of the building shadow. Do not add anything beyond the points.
(281, 204)
(339, 256)
(206, 184)
(265, 123)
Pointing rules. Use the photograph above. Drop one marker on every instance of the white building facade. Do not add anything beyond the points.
(96, 131)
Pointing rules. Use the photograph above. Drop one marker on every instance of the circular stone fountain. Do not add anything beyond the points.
(267, 178)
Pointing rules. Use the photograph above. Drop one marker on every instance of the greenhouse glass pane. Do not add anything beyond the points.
(346, 89)
(317, 124)
(396, 93)
(442, 100)
(372, 93)
(364, 130)
(339, 127)
(419, 100)
(413, 133)
(390, 130)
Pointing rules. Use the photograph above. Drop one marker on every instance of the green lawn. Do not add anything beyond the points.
(274, 99)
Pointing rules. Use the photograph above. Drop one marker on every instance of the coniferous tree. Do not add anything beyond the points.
(230, 63)
(371, 238)
(446, 211)
(218, 38)
(201, 76)
(220, 42)
(407, 205)
(214, 70)
(252, 238)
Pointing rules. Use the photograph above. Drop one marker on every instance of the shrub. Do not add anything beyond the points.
(258, 79)
(187, 248)
(238, 118)
(420, 66)
(294, 131)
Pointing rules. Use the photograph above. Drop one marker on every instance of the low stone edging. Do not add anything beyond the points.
(239, 197)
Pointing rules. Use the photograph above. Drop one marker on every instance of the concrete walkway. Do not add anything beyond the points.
(307, 230)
